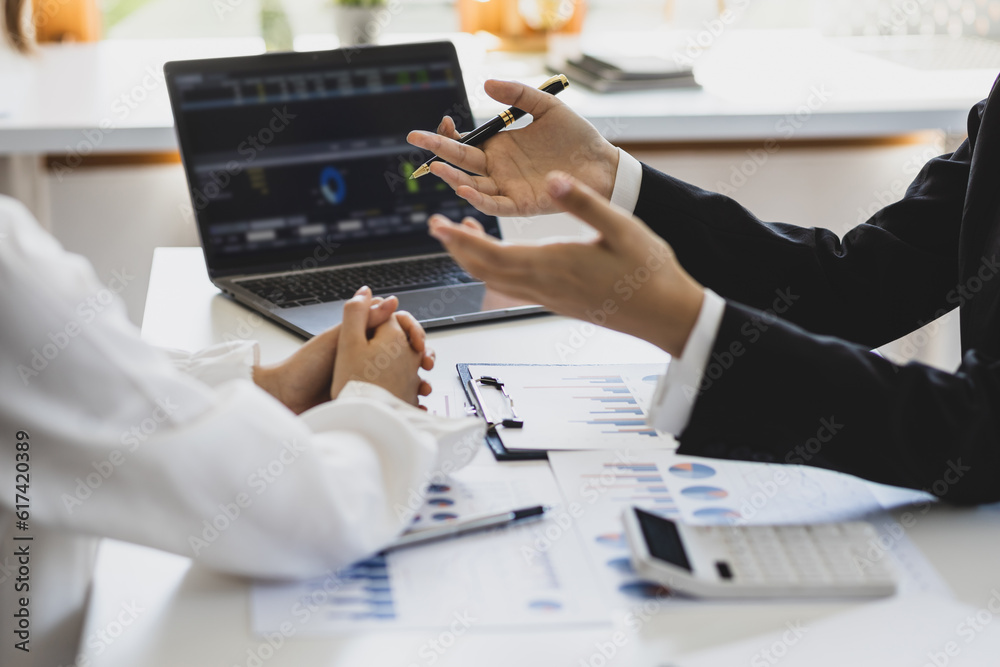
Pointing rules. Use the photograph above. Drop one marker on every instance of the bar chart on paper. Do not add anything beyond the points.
(498, 577)
(710, 492)
(627, 483)
(603, 484)
(580, 407)
(610, 404)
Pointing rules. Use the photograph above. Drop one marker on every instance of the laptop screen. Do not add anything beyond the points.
(299, 160)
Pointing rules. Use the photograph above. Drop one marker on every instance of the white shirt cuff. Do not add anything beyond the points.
(220, 363)
(458, 440)
(628, 178)
(677, 391)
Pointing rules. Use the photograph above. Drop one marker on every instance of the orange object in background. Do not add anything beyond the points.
(80, 21)
(511, 20)
(66, 20)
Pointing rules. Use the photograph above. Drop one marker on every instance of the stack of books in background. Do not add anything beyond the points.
(610, 74)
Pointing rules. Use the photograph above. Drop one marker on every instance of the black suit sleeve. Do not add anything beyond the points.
(886, 278)
(773, 392)
(804, 387)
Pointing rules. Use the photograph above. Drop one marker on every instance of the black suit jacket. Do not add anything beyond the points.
(792, 378)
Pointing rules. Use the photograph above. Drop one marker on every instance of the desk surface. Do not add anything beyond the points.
(194, 617)
(109, 96)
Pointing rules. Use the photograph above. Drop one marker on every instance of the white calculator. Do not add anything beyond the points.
(818, 560)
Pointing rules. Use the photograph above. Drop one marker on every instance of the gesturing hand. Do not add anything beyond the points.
(386, 357)
(627, 279)
(510, 168)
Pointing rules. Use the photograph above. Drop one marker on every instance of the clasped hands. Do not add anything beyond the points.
(374, 343)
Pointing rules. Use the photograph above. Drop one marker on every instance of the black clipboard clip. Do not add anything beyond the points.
(505, 415)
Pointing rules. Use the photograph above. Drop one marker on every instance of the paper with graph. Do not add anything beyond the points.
(580, 407)
(492, 579)
(602, 484)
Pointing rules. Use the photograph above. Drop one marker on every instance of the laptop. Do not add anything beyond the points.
(298, 169)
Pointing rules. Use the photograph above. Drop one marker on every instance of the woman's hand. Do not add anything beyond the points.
(511, 167)
(627, 279)
(387, 357)
(303, 380)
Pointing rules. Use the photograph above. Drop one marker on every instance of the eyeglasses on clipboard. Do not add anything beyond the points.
(494, 404)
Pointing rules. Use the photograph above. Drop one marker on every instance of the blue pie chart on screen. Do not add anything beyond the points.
(332, 185)
(692, 470)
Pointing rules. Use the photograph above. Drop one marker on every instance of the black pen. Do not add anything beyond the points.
(462, 527)
(552, 86)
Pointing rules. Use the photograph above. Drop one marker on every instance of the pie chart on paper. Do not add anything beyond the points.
(692, 470)
(704, 492)
(717, 513)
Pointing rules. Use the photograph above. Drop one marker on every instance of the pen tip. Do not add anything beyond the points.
(421, 171)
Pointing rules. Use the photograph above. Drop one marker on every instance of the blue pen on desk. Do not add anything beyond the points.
(465, 527)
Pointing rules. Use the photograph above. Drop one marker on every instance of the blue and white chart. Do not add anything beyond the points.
(492, 579)
(581, 407)
(599, 485)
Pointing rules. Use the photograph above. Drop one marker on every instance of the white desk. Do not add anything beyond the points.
(102, 98)
(194, 617)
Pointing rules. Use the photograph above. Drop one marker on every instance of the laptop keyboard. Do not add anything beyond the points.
(312, 287)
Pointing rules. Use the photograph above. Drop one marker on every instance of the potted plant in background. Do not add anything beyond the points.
(359, 22)
(275, 27)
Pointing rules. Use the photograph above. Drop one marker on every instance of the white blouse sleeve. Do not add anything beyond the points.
(125, 445)
(233, 360)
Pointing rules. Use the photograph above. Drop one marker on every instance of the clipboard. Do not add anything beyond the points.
(493, 438)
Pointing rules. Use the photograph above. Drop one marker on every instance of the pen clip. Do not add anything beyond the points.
(508, 417)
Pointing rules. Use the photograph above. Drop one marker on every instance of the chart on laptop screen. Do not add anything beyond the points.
(277, 159)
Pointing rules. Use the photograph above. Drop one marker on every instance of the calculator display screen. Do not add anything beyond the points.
(663, 540)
